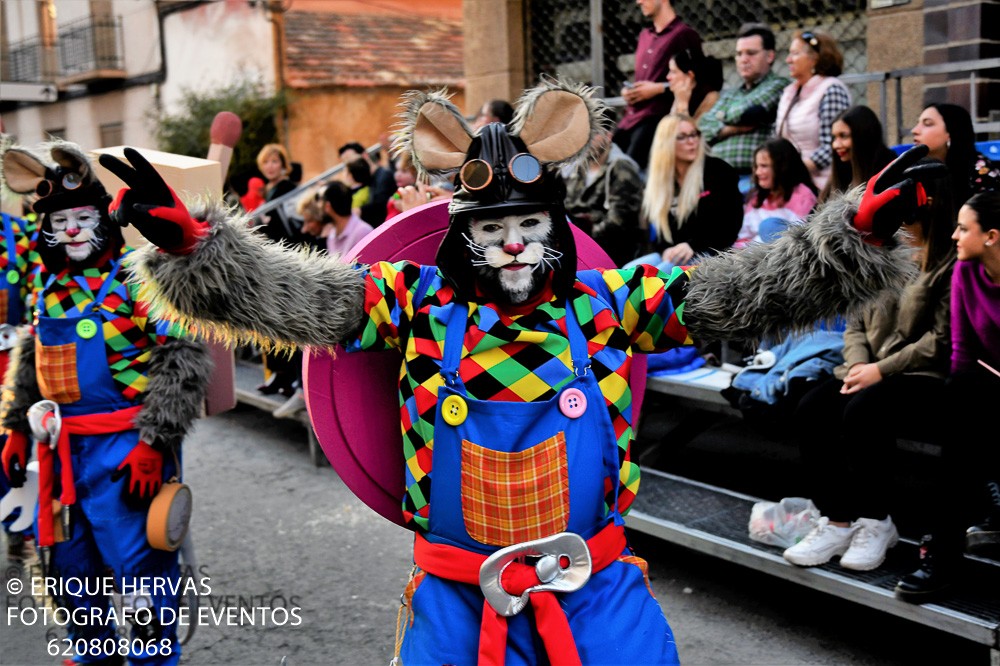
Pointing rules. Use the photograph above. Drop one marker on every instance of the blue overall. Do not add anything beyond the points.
(613, 617)
(107, 535)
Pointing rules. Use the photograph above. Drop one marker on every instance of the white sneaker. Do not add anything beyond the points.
(821, 544)
(291, 407)
(872, 539)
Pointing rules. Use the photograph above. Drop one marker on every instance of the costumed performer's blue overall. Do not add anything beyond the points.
(556, 455)
(107, 533)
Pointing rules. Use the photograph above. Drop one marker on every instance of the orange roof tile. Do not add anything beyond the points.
(368, 50)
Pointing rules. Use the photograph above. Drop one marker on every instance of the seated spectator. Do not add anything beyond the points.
(494, 111)
(316, 224)
(743, 116)
(859, 150)
(970, 489)
(274, 165)
(782, 194)
(692, 202)
(348, 228)
(946, 129)
(358, 178)
(895, 357)
(382, 182)
(254, 196)
(410, 192)
(812, 100)
(604, 196)
(695, 80)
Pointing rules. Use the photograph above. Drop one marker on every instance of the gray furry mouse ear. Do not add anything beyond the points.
(556, 121)
(434, 131)
(22, 171)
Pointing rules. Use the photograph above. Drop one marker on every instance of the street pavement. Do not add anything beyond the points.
(273, 532)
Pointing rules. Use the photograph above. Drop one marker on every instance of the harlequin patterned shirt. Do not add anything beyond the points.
(129, 332)
(21, 264)
(515, 356)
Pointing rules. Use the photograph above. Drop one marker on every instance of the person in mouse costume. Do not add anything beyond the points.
(514, 390)
(116, 391)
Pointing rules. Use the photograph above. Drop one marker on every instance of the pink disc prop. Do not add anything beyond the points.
(353, 399)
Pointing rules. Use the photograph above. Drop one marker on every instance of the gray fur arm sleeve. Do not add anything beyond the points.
(241, 288)
(20, 384)
(178, 374)
(814, 272)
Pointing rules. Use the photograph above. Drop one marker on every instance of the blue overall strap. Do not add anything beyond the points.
(106, 287)
(14, 289)
(453, 338)
(8, 232)
(426, 279)
(577, 342)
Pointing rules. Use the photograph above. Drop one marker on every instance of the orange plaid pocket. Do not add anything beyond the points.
(55, 366)
(643, 567)
(4, 295)
(508, 498)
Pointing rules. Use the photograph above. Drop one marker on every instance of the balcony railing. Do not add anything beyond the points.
(85, 50)
(91, 49)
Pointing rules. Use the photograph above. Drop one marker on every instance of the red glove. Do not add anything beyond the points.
(15, 458)
(894, 195)
(151, 206)
(144, 468)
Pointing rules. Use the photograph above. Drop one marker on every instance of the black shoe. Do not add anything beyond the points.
(986, 535)
(934, 576)
(280, 382)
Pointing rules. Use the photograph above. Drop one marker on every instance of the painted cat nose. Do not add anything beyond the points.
(513, 248)
(73, 232)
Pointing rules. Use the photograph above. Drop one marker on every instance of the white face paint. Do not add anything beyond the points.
(514, 251)
(77, 230)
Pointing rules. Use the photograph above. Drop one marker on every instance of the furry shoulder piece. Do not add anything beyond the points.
(238, 287)
(815, 271)
(178, 374)
(20, 384)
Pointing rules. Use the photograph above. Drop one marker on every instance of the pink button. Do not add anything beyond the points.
(573, 403)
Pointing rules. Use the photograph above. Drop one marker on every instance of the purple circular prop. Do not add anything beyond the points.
(353, 398)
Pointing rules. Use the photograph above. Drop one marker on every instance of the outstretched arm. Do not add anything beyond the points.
(834, 264)
(216, 275)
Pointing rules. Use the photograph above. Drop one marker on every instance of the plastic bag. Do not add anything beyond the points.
(783, 523)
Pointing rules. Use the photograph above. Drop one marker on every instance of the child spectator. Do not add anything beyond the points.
(782, 193)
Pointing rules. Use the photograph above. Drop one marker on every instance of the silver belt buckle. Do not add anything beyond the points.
(548, 553)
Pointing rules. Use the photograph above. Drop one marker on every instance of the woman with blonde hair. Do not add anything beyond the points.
(692, 203)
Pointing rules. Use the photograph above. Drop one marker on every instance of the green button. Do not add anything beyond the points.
(86, 329)
(13, 277)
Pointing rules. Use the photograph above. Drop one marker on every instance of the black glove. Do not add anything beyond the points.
(151, 206)
(895, 194)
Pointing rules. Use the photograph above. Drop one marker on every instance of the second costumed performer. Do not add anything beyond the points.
(516, 411)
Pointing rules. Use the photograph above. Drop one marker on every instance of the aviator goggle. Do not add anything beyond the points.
(70, 181)
(477, 174)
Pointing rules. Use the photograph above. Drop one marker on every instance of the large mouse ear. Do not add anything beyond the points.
(557, 120)
(22, 171)
(70, 156)
(433, 130)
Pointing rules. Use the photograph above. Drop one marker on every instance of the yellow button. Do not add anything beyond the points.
(86, 329)
(454, 410)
